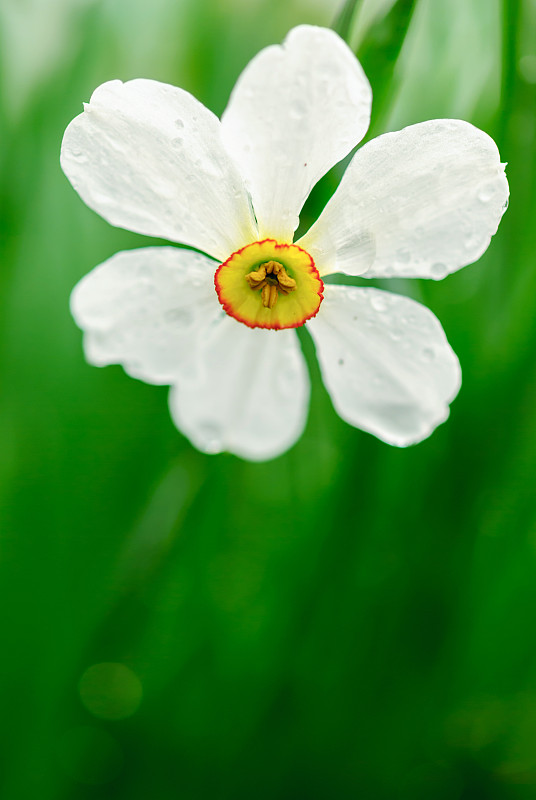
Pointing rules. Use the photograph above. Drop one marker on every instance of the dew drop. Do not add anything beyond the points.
(438, 269)
(179, 317)
(395, 334)
(298, 111)
(469, 240)
(179, 123)
(139, 292)
(378, 303)
(486, 193)
(340, 362)
(177, 141)
(403, 256)
(427, 354)
(211, 437)
(285, 383)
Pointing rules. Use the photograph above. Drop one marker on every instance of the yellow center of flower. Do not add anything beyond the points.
(269, 285)
(270, 279)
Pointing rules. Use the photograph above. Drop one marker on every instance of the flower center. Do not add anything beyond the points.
(268, 284)
(271, 278)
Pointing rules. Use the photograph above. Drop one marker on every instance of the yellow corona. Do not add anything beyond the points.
(269, 284)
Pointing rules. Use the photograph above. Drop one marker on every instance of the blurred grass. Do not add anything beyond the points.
(366, 631)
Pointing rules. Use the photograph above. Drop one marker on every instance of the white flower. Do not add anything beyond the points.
(419, 203)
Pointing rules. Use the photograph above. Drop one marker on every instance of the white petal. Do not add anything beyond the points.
(296, 110)
(386, 363)
(149, 157)
(430, 196)
(146, 309)
(250, 396)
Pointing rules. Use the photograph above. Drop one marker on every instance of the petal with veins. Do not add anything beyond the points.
(149, 157)
(430, 197)
(250, 396)
(147, 309)
(296, 110)
(386, 363)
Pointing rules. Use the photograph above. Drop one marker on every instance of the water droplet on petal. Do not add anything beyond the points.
(298, 110)
(427, 354)
(197, 281)
(340, 362)
(179, 317)
(179, 123)
(285, 382)
(79, 156)
(403, 256)
(378, 303)
(486, 193)
(353, 295)
(211, 437)
(438, 270)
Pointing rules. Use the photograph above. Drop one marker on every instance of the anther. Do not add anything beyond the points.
(271, 278)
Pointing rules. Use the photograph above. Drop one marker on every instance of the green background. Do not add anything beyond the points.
(349, 620)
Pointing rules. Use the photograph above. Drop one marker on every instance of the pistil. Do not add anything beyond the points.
(271, 278)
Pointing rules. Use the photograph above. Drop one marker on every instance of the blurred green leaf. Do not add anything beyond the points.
(379, 54)
(343, 21)
(348, 620)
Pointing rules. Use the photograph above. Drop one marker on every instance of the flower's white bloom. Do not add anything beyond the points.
(422, 202)
(295, 111)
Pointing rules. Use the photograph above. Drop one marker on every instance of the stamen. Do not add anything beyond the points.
(256, 278)
(271, 278)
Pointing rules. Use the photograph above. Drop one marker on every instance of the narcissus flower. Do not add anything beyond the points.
(218, 325)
